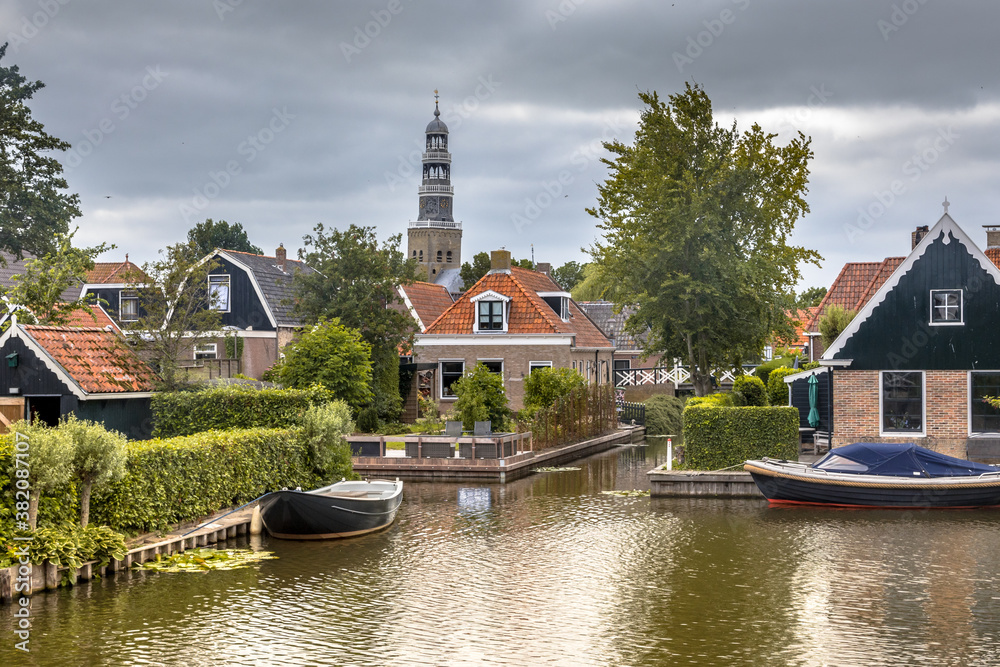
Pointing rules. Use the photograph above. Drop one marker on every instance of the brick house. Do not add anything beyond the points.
(514, 321)
(917, 360)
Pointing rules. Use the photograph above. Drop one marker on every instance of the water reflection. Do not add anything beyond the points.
(547, 569)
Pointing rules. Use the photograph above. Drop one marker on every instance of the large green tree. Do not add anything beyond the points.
(568, 275)
(333, 356)
(176, 310)
(209, 235)
(695, 220)
(355, 281)
(33, 206)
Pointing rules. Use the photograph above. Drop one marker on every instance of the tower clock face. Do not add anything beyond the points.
(444, 204)
(423, 203)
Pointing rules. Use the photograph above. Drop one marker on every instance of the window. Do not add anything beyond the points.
(128, 307)
(946, 306)
(450, 372)
(494, 365)
(218, 292)
(449, 256)
(439, 257)
(623, 364)
(983, 417)
(902, 402)
(535, 365)
(421, 255)
(206, 351)
(490, 315)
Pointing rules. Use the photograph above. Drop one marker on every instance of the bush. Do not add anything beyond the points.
(751, 390)
(777, 390)
(98, 457)
(323, 431)
(664, 415)
(543, 386)
(719, 400)
(233, 406)
(481, 397)
(186, 478)
(368, 420)
(719, 438)
(833, 322)
(76, 546)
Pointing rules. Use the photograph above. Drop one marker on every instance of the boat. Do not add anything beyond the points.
(343, 509)
(866, 474)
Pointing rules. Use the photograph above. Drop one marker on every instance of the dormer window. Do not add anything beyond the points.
(218, 292)
(490, 312)
(558, 302)
(946, 307)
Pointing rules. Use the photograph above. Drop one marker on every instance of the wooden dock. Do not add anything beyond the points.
(698, 483)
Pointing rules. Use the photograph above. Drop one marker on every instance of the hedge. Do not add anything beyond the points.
(234, 406)
(716, 438)
(777, 390)
(186, 478)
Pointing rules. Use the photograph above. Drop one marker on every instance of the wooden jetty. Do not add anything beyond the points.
(699, 483)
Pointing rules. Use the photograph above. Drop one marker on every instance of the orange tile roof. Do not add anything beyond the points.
(993, 254)
(801, 318)
(98, 360)
(428, 299)
(856, 284)
(91, 316)
(105, 273)
(529, 314)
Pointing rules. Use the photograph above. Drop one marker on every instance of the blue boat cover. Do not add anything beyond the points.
(898, 460)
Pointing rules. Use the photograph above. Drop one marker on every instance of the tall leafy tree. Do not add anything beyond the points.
(176, 310)
(568, 275)
(810, 297)
(355, 281)
(695, 220)
(471, 273)
(209, 235)
(33, 206)
(333, 356)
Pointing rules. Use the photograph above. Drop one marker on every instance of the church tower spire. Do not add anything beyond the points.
(435, 239)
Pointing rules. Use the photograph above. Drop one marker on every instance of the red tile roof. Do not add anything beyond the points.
(97, 359)
(856, 284)
(105, 273)
(91, 317)
(800, 318)
(428, 299)
(993, 254)
(529, 314)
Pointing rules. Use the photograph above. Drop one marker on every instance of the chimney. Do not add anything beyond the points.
(500, 261)
(544, 267)
(280, 255)
(992, 236)
(917, 235)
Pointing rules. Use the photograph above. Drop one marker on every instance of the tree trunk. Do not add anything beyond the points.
(33, 510)
(85, 488)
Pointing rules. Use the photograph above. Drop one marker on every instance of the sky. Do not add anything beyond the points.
(281, 116)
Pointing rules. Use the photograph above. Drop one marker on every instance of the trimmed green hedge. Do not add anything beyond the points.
(717, 438)
(234, 406)
(181, 479)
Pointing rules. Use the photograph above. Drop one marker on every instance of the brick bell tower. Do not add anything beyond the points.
(435, 239)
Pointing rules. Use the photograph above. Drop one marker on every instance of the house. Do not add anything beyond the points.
(513, 321)
(114, 285)
(424, 301)
(49, 372)
(628, 352)
(919, 358)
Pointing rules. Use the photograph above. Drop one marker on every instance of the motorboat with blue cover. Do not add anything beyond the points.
(343, 509)
(870, 474)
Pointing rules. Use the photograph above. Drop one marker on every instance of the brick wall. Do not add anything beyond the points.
(946, 422)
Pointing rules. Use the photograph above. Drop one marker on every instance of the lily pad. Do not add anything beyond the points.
(567, 469)
(630, 493)
(204, 560)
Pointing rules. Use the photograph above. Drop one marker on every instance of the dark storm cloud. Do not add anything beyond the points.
(280, 116)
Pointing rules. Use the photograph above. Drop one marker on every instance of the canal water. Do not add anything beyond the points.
(549, 570)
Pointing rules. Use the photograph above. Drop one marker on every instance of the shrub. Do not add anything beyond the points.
(51, 460)
(368, 420)
(751, 390)
(719, 400)
(481, 397)
(664, 415)
(719, 438)
(777, 390)
(231, 406)
(323, 431)
(98, 457)
(333, 356)
(833, 322)
(75, 546)
(543, 386)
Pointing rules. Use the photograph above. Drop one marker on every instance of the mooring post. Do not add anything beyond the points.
(670, 454)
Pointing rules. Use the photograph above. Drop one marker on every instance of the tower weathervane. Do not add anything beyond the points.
(946, 205)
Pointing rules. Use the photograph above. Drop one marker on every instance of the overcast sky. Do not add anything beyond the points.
(284, 115)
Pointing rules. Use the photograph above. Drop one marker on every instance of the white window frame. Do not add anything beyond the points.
(968, 401)
(490, 295)
(122, 297)
(532, 365)
(229, 292)
(922, 433)
(961, 309)
(440, 383)
(206, 348)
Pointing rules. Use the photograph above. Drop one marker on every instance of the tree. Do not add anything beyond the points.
(810, 297)
(40, 287)
(481, 397)
(331, 355)
(209, 235)
(695, 220)
(568, 275)
(834, 320)
(176, 310)
(355, 281)
(471, 273)
(51, 452)
(324, 430)
(32, 207)
(98, 458)
(544, 386)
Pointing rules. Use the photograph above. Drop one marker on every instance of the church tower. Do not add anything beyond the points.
(435, 239)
